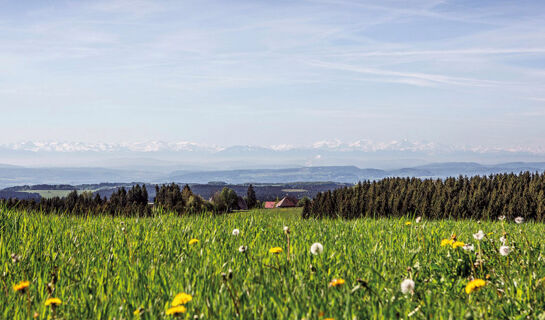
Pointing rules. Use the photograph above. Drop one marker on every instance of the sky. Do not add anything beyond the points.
(274, 73)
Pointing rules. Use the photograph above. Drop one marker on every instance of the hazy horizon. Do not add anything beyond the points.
(165, 156)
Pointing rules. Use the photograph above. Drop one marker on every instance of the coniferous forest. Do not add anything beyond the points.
(486, 197)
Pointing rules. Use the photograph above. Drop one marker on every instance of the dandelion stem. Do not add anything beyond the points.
(273, 267)
(288, 239)
(28, 302)
(231, 294)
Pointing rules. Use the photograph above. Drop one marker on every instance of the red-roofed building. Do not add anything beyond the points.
(287, 202)
(269, 204)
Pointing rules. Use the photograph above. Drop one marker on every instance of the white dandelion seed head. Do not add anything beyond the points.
(286, 229)
(468, 247)
(407, 286)
(418, 219)
(316, 248)
(479, 235)
(503, 240)
(501, 218)
(504, 250)
(242, 249)
(236, 232)
(519, 220)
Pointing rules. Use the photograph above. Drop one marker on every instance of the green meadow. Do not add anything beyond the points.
(133, 268)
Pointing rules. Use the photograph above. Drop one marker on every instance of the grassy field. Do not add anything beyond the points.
(54, 193)
(104, 268)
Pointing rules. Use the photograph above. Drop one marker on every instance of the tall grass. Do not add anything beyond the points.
(109, 267)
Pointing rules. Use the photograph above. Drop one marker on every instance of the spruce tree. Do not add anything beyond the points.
(251, 199)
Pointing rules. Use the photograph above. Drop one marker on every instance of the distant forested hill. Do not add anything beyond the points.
(8, 194)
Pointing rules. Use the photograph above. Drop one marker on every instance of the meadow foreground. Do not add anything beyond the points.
(241, 263)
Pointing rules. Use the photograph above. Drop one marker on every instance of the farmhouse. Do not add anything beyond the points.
(287, 202)
(269, 204)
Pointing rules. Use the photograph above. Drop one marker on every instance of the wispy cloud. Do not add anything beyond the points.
(420, 78)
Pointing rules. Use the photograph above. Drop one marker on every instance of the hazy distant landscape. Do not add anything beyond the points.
(17, 176)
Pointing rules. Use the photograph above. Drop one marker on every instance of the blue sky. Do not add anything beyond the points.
(460, 73)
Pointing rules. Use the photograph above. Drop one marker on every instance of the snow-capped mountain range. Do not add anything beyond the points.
(187, 146)
(185, 155)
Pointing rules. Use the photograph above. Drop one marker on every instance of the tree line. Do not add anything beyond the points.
(478, 197)
(134, 202)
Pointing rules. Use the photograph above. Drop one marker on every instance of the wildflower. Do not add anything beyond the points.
(53, 301)
(15, 258)
(519, 220)
(407, 286)
(286, 229)
(408, 223)
(336, 282)
(468, 247)
(418, 219)
(235, 232)
(242, 249)
(138, 311)
(503, 240)
(193, 241)
(176, 310)
(21, 286)
(458, 244)
(501, 218)
(316, 248)
(479, 235)
(474, 285)
(181, 298)
(446, 242)
(275, 250)
(504, 250)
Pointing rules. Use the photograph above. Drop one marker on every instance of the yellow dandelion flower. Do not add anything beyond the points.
(53, 301)
(474, 285)
(446, 242)
(181, 298)
(176, 310)
(458, 244)
(21, 286)
(275, 250)
(138, 311)
(336, 282)
(408, 223)
(193, 241)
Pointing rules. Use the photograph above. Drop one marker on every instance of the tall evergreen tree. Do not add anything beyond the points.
(251, 199)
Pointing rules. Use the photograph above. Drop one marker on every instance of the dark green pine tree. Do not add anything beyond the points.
(306, 209)
(251, 199)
